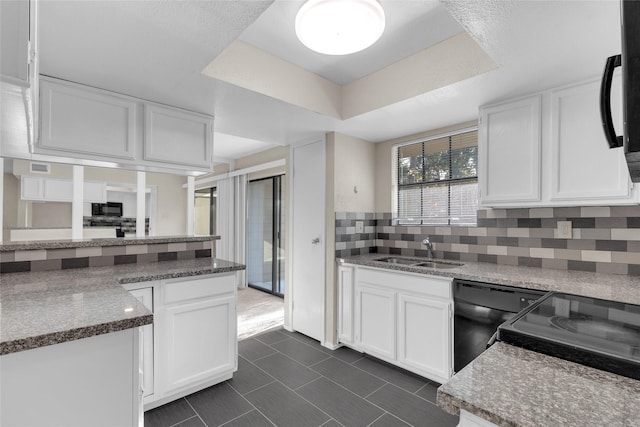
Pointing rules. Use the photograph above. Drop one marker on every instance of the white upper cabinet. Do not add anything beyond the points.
(173, 135)
(85, 123)
(509, 152)
(549, 150)
(583, 166)
(14, 40)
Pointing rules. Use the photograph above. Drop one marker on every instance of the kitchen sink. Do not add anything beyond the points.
(438, 264)
(420, 262)
(403, 261)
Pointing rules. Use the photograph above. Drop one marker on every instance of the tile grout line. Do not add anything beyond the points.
(186, 419)
(194, 410)
(252, 405)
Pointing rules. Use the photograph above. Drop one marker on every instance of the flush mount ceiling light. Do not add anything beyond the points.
(339, 27)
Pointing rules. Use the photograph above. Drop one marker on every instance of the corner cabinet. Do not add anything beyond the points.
(83, 122)
(402, 318)
(193, 341)
(549, 149)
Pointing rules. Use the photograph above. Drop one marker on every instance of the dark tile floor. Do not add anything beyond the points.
(287, 379)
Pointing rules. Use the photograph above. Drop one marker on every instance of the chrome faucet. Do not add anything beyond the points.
(430, 252)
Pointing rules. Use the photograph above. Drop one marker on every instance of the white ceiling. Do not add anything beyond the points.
(156, 49)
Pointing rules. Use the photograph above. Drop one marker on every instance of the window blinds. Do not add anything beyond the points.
(437, 180)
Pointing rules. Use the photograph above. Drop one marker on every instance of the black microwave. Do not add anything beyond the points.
(630, 63)
(106, 209)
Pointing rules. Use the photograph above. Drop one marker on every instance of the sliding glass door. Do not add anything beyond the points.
(265, 248)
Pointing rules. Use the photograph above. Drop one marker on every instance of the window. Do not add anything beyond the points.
(437, 180)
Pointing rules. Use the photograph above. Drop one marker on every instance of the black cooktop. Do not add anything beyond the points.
(599, 333)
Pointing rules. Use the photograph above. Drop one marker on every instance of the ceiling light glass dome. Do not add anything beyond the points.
(339, 27)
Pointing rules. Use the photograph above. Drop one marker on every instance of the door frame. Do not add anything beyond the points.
(288, 318)
(276, 235)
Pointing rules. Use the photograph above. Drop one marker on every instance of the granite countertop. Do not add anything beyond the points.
(44, 308)
(612, 287)
(111, 241)
(514, 387)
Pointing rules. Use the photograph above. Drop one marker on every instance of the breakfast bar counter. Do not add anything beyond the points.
(51, 307)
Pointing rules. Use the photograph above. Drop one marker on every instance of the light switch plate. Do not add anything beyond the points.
(359, 226)
(564, 230)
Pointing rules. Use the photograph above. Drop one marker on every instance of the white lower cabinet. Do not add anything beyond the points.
(403, 318)
(87, 382)
(376, 320)
(345, 304)
(423, 336)
(194, 342)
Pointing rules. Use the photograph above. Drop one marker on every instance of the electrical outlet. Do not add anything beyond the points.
(359, 226)
(564, 230)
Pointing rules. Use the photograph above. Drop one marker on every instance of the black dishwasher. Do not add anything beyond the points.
(479, 309)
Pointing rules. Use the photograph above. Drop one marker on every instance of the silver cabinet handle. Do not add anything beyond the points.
(315, 241)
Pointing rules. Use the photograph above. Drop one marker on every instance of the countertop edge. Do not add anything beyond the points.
(162, 276)
(115, 241)
(31, 343)
(453, 405)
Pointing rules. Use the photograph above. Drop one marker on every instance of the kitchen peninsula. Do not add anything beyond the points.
(78, 344)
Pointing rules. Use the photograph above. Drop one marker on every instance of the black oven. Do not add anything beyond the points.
(113, 209)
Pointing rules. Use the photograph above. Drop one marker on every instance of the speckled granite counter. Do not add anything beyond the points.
(119, 241)
(44, 308)
(596, 285)
(514, 387)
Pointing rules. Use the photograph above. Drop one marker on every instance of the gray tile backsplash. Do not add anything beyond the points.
(605, 239)
(100, 256)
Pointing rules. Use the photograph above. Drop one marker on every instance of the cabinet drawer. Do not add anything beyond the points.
(423, 284)
(176, 290)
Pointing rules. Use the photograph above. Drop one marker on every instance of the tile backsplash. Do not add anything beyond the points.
(101, 256)
(605, 239)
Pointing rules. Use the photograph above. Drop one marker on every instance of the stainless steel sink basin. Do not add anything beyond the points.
(438, 264)
(420, 262)
(403, 261)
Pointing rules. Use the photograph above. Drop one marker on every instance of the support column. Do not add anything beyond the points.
(77, 201)
(141, 204)
(191, 189)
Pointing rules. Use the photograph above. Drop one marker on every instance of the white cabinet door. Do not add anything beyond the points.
(79, 121)
(14, 39)
(376, 321)
(145, 296)
(424, 336)
(509, 151)
(31, 188)
(58, 190)
(199, 341)
(584, 169)
(345, 304)
(196, 335)
(95, 192)
(177, 137)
